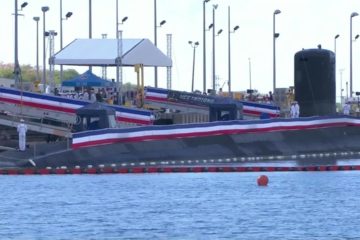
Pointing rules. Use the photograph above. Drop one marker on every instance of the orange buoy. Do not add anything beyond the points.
(262, 180)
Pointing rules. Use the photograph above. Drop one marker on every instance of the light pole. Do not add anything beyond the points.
(68, 14)
(275, 35)
(51, 42)
(250, 73)
(341, 88)
(117, 19)
(354, 14)
(215, 6)
(204, 46)
(155, 40)
(194, 45)
(36, 19)
(119, 40)
(90, 25)
(211, 26)
(90, 19)
(104, 70)
(119, 61)
(336, 37)
(17, 70)
(44, 10)
(229, 49)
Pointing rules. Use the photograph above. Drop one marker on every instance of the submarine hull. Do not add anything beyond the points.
(300, 144)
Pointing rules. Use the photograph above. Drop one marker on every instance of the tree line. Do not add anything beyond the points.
(28, 73)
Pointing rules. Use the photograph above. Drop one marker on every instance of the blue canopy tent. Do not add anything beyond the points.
(87, 79)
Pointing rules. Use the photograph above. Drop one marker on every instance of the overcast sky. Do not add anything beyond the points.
(301, 24)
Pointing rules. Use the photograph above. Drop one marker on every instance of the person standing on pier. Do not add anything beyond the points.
(346, 108)
(292, 110)
(297, 109)
(22, 129)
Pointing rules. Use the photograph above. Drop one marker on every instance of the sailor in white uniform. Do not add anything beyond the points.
(297, 109)
(346, 109)
(22, 129)
(292, 110)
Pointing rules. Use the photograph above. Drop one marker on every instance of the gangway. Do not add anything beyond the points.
(199, 103)
(42, 109)
(62, 108)
(13, 121)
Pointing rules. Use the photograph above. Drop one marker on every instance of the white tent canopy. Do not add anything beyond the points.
(104, 52)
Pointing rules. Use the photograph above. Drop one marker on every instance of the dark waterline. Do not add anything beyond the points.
(295, 205)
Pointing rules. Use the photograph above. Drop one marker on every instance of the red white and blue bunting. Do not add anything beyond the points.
(164, 132)
(67, 105)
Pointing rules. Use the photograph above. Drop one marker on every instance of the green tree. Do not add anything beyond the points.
(128, 87)
(28, 73)
(6, 70)
(69, 74)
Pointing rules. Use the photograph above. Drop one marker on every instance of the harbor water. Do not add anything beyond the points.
(294, 205)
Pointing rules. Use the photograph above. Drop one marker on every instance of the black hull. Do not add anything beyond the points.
(300, 145)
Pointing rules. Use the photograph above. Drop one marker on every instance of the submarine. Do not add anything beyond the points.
(319, 133)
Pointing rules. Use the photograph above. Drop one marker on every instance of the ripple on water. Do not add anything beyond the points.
(295, 205)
